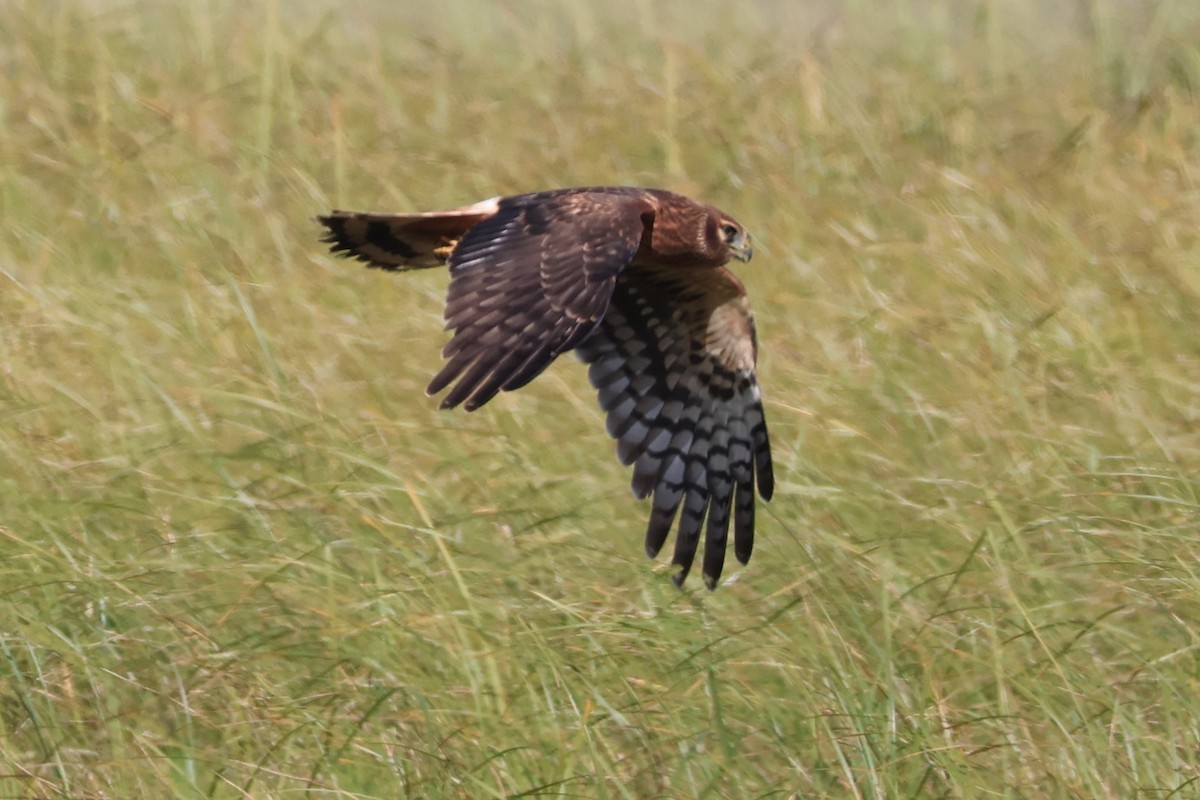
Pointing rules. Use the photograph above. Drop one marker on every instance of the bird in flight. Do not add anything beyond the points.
(633, 280)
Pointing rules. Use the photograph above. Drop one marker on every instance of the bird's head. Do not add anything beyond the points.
(694, 234)
(724, 238)
(735, 238)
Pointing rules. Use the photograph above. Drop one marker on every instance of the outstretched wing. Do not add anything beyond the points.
(673, 363)
(530, 282)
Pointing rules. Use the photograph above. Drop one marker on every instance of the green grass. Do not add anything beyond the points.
(242, 554)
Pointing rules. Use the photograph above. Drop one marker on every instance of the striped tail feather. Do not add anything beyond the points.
(402, 241)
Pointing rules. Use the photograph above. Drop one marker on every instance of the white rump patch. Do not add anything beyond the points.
(489, 206)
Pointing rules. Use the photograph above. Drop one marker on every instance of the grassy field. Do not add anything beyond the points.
(242, 554)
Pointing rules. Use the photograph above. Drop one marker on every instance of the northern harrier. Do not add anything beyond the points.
(633, 281)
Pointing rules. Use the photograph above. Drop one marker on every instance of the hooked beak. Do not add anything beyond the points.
(743, 252)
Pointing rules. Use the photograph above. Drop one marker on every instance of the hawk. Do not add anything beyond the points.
(633, 281)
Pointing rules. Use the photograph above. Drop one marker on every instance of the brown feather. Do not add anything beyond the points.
(402, 241)
(632, 279)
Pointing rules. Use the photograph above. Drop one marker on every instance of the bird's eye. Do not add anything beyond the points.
(728, 231)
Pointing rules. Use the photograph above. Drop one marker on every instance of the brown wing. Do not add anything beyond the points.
(530, 282)
(673, 362)
(402, 241)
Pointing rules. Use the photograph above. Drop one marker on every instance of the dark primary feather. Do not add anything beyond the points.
(688, 417)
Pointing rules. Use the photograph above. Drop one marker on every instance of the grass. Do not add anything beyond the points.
(242, 555)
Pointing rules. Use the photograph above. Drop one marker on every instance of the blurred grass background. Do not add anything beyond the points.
(242, 555)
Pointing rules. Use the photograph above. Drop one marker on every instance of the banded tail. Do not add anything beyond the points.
(402, 241)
